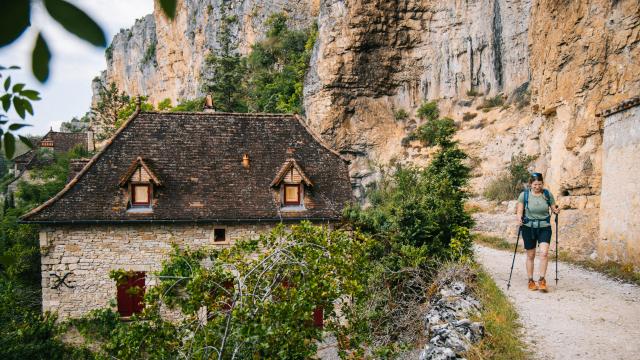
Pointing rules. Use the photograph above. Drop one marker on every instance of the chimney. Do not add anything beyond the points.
(75, 166)
(91, 143)
(245, 161)
(208, 104)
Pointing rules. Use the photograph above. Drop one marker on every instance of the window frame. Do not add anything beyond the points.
(298, 202)
(224, 235)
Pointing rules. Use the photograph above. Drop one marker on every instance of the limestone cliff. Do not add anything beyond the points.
(163, 59)
(558, 63)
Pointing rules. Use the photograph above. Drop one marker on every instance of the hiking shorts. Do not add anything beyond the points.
(533, 236)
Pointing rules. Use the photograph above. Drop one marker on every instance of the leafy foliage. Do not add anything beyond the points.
(114, 108)
(227, 71)
(428, 111)
(270, 79)
(164, 104)
(258, 297)
(21, 99)
(190, 105)
(509, 184)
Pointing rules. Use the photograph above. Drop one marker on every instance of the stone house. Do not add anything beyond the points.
(55, 142)
(194, 179)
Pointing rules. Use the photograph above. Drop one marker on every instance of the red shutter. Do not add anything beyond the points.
(318, 317)
(129, 301)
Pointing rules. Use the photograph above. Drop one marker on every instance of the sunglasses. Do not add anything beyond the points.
(536, 174)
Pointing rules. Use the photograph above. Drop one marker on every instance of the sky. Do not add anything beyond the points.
(74, 62)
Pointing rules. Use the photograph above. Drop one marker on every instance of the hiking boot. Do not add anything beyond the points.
(532, 285)
(542, 284)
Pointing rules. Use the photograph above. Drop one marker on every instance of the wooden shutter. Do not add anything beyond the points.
(131, 294)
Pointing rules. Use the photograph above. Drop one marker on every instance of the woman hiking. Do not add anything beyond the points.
(535, 206)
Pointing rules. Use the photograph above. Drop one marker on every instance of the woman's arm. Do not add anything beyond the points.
(519, 212)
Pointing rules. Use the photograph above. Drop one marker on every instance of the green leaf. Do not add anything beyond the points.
(76, 21)
(14, 127)
(17, 88)
(31, 94)
(9, 145)
(169, 8)
(7, 84)
(14, 18)
(26, 141)
(18, 106)
(40, 59)
(27, 106)
(6, 101)
(7, 260)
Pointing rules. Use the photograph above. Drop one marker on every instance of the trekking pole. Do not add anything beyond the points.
(557, 250)
(514, 256)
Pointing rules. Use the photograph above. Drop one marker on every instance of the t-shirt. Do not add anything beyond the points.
(537, 208)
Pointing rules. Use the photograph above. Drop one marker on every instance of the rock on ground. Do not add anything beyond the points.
(586, 316)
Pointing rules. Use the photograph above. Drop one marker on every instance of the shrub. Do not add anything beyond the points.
(509, 184)
(401, 114)
(436, 131)
(164, 104)
(490, 103)
(473, 93)
(190, 105)
(469, 116)
(428, 111)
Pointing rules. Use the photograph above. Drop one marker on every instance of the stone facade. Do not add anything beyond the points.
(87, 253)
(620, 202)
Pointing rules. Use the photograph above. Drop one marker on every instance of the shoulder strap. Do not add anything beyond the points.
(526, 199)
(547, 197)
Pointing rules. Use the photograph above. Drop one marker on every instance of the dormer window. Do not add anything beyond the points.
(140, 181)
(141, 194)
(292, 194)
(290, 182)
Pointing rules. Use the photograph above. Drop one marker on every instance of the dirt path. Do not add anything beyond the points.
(587, 316)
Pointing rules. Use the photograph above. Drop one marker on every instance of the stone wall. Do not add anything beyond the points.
(89, 252)
(620, 197)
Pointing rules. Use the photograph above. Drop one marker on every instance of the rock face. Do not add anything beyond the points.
(163, 59)
(557, 63)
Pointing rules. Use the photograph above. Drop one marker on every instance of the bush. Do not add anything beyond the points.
(190, 105)
(428, 111)
(435, 131)
(469, 116)
(510, 183)
(490, 103)
(473, 93)
(164, 104)
(401, 114)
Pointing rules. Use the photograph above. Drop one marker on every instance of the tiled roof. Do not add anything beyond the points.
(198, 159)
(65, 141)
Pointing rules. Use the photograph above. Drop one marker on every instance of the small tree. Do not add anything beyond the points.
(225, 72)
(107, 110)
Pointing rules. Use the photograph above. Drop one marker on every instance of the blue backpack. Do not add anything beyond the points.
(547, 197)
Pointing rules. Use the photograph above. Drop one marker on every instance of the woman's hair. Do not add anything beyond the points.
(535, 177)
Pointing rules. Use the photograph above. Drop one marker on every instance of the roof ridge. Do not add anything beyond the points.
(84, 170)
(216, 113)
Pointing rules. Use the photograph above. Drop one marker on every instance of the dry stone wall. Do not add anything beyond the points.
(89, 253)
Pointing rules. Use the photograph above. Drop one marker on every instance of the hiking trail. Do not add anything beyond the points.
(586, 316)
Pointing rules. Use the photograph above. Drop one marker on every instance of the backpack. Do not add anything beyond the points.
(547, 197)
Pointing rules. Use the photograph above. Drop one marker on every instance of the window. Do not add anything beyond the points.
(140, 194)
(131, 294)
(219, 235)
(292, 194)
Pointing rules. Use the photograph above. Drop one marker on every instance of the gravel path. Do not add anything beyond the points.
(586, 316)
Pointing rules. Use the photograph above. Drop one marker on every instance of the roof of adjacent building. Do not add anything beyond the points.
(197, 157)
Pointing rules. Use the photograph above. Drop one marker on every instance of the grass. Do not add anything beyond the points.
(493, 242)
(614, 270)
(490, 103)
(502, 338)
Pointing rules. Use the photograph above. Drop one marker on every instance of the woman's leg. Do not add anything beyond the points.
(531, 255)
(544, 259)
